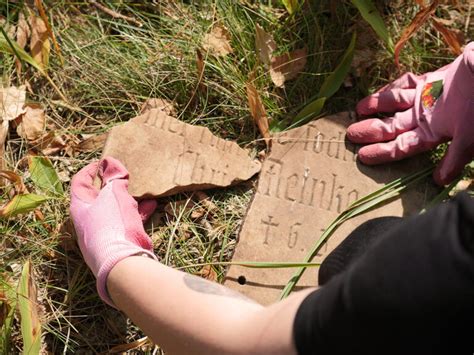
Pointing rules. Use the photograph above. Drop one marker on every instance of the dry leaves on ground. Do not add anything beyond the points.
(208, 273)
(217, 41)
(287, 66)
(283, 67)
(176, 208)
(40, 45)
(453, 38)
(91, 143)
(257, 110)
(265, 45)
(12, 102)
(32, 124)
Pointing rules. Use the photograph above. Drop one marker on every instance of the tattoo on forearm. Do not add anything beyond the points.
(204, 286)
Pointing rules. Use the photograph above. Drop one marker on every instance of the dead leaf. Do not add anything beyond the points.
(453, 38)
(257, 110)
(162, 104)
(16, 179)
(3, 137)
(190, 207)
(205, 201)
(39, 45)
(49, 144)
(92, 143)
(287, 66)
(12, 102)
(22, 31)
(200, 70)
(208, 273)
(44, 17)
(420, 18)
(32, 124)
(217, 41)
(265, 45)
(122, 348)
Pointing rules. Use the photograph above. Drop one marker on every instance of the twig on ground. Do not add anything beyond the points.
(115, 14)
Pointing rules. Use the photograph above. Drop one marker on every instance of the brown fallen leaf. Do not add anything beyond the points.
(257, 110)
(287, 66)
(453, 38)
(12, 101)
(22, 31)
(39, 44)
(15, 179)
(420, 18)
(51, 143)
(162, 104)
(205, 201)
(217, 41)
(265, 45)
(200, 70)
(175, 208)
(92, 143)
(44, 17)
(3, 137)
(22, 35)
(208, 273)
(32, 123)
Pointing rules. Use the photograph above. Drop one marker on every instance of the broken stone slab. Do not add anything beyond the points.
(310, 176)
(165, 156)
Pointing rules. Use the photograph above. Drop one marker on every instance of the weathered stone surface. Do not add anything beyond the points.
(310, 176)
(166, 156)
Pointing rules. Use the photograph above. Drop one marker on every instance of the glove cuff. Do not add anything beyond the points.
(108, 265)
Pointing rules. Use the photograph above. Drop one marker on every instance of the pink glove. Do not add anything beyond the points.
(439, 107)
(108, 222)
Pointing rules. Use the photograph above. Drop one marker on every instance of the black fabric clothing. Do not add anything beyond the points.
(412, 292)
(354, 246)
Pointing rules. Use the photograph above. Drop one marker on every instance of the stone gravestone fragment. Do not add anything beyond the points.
(166, 156)
(308, 179)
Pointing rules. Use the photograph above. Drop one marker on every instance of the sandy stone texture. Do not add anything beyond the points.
(166, 156)
(310, 176)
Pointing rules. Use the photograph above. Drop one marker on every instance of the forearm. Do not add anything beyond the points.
(185, 314)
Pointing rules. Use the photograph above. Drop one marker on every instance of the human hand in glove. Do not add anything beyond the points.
(430, 109)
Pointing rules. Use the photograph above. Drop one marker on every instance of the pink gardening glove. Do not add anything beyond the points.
(439, 107)
(109, 222)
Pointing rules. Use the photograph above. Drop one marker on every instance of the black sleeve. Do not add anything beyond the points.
(411, 293)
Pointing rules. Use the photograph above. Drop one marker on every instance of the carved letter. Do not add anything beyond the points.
(318, 144)
(269, 180)
(293, 236)
(291, 184)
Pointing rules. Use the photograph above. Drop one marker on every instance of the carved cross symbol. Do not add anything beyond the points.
(269, 224)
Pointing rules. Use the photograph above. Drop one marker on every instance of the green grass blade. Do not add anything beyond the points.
(370, 14)
(308, 112)
(27, 304)
(291, 5)
(330, 86)
(256, 264)
(368, 203)
(7, 305)
(44, 176)
(334, 81)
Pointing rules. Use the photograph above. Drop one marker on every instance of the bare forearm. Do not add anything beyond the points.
(189, 315)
